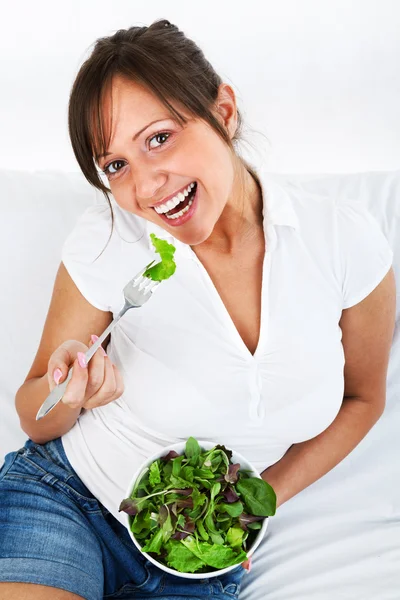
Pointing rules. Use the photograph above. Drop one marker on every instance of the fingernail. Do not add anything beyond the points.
(81, 359)
(57, 375)
(94, 339)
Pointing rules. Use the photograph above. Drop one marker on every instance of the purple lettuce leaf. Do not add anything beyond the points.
(171, 454)
(129, 506)
(230, 495)
(232, 475)
(245, 519)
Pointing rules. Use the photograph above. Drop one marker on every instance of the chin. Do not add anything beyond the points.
(193, 238)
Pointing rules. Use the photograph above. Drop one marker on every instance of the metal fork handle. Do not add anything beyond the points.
(92, 350)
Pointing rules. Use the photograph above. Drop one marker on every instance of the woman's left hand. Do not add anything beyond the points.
(247, 564)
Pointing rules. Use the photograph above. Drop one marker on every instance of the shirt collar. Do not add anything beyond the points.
(277, 211)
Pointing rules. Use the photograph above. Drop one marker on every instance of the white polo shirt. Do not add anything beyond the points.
(187, 371)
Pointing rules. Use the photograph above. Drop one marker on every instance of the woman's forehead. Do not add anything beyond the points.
(127, 104)
(122, 101)
(122, 91)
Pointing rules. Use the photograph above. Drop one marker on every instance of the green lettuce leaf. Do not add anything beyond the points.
(180, 558)
(154, 476)
(155, 543)
(167, 266)
(214, 555)
(234, 536)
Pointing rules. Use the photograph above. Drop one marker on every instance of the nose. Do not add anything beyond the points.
(147, 183)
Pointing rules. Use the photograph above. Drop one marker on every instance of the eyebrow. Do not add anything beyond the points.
(135, 137)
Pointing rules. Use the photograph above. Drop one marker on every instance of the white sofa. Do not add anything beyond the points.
(340, 538)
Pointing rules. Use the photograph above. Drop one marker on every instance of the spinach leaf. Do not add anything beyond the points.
(258, 496)
(192, 451)
(234, 510)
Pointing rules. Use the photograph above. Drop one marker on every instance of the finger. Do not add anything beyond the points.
(108, 388)
(58, 367)
(247, 564)
(111, 389)
(120, 382)
(96, 374)
(55, 376)
(61, 360)
(93, 340)
(74, 394)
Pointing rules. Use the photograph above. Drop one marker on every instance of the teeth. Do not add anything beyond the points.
(181, 212)
(163, 208)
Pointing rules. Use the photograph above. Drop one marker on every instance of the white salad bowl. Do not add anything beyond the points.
(179, 448)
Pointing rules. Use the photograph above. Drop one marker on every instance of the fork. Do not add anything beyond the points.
(136, 292)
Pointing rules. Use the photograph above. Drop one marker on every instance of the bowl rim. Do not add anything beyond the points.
(206, 445)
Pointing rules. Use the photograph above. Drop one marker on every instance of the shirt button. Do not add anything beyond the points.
(256, 408)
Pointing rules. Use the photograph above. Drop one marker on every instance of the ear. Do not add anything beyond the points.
(225, 108)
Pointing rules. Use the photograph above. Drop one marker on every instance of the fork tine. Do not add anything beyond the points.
(147, 287)
(153, 285)
(144, 283)
(138, 277)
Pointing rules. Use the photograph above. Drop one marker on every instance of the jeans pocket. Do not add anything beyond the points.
(33, 463)
(230, 583)
(231, 589)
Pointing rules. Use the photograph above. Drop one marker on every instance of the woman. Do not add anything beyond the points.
(272, 337)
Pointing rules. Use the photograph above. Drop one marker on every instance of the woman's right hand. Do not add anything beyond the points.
(96, 384)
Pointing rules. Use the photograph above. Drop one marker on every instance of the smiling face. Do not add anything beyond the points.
(152, 158)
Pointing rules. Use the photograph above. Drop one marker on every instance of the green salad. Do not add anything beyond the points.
(165, 268)
(198, 510)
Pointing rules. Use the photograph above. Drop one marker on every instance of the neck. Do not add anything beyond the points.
(241, 220)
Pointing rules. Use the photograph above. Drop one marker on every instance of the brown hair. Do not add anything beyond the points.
(161, 58)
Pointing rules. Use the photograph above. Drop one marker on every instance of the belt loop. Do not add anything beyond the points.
(49, 478)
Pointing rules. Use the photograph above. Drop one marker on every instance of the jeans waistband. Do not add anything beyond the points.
(51, 456)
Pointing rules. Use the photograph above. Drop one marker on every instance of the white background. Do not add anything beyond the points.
(319, 80)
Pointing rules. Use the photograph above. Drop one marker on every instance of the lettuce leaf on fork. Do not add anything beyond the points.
(167, 266)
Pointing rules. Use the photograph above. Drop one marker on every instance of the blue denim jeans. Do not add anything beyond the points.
(54, 532)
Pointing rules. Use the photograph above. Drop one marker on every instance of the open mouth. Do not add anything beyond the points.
(184, 210)
(183, 206)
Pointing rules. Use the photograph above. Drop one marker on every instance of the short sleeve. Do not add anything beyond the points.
(79, 253)
(365, 253)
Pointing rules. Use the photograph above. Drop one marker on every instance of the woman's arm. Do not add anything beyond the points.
(70, 317)
(367, 330)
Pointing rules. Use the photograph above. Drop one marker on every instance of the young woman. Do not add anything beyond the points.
(272, 337)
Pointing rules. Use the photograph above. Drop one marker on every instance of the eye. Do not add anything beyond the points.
(111, 173)
(161, 137)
